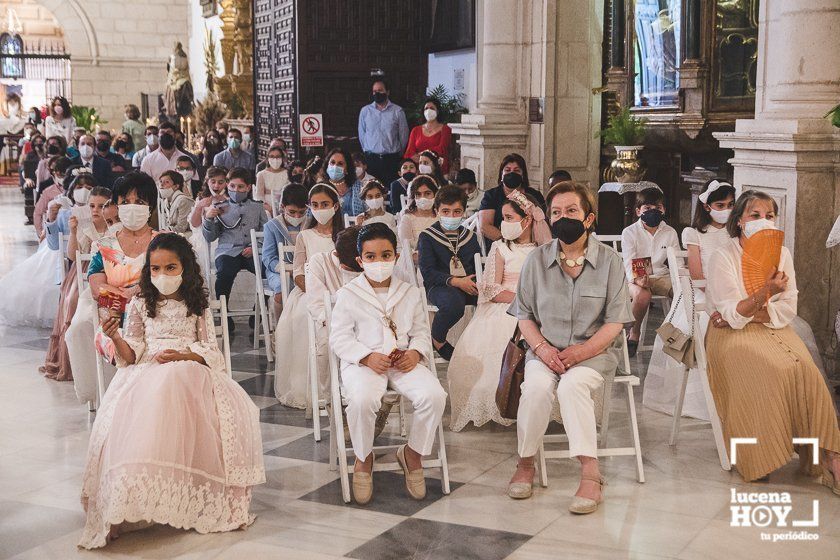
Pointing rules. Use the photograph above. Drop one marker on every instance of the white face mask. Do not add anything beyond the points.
(430, 114)
(720, 216)
(134, 216)
(152, 140)
(360, 172)
(187, 174)
(294, 221)
(375, 203)
(86, 151)
(511, 230)
(425, 169)
(246, 137)
(378, 271)
(753, 227)
(165, 284)
(275, 163)
(81, 195)
(424, 203)
(167, 193)
(59, 110)
(323, 216)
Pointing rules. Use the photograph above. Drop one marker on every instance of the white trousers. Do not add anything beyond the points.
(577, 408)
(364, 390)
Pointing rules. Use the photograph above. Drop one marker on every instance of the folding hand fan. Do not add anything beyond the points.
(762, 253)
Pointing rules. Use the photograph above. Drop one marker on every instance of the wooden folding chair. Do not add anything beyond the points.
(340, 453)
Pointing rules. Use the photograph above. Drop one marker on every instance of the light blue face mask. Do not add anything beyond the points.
(451, 223)
(236, 196)
(234, 143)
(335, 172)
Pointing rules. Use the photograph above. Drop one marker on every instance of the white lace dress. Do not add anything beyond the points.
(176, 443)
(291, 338)
(408, 232)
(474, 369)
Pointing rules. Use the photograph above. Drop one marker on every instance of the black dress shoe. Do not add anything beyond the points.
(632, 347)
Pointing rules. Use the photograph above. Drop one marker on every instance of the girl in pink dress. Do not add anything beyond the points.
(176, 441)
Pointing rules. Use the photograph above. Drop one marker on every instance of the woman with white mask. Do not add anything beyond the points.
(272, 179)
(60, 121)
(765, 384)
(179, 203)
(434, 134)
(318, 236)
(415, 218)
(114, 268)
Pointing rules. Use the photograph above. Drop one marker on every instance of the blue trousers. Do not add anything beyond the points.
(450, 303)
(227, 267)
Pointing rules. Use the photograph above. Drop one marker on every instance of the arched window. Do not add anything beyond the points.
(11, 66)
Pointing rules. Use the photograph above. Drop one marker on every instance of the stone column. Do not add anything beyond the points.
(790, 151)
(544, 49)
(498, 125)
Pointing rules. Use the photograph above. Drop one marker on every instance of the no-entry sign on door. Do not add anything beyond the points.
(311, 130)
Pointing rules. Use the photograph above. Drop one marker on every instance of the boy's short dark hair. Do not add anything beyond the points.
(359, 157)
(294, 194)
(649, 196)
(378, 230)
(345, 246)
(465, 175)
(240, 173)
(62, 164)
(558, 176)
(450, 194)
(187, 159)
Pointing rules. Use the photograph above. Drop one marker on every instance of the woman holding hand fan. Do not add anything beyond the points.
(764, 381)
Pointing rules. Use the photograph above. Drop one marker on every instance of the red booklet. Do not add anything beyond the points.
(642, 266)
(111, 305)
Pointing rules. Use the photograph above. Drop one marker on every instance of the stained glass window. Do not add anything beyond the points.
(11, 67)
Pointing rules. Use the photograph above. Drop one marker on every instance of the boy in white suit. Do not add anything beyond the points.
(380, 334)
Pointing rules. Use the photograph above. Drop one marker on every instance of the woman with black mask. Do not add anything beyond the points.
(569, 354)
(513, 175)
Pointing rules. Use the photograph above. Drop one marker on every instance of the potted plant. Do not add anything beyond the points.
(626, 134)
(834, 114)
(86, 117)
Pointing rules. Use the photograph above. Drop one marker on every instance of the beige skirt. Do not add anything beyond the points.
(766, 386)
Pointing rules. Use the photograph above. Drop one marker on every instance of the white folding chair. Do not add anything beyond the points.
(349, 221)
(404, 201)
(219, 306)
(317, 404)
(693, 310)
(337, 443)
(628, 381)
(63, 242)
(479, 267)
(265, 317)
(82, 287)
(664, 302)
(474, 224)
(163, 213)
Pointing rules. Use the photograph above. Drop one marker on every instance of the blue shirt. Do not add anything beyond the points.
(351, 202)
(228, 160)
(383, 131)
(233, 227)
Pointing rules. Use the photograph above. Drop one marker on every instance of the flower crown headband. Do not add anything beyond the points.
(527, 206)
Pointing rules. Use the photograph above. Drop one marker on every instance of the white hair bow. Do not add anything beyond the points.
(713, 186)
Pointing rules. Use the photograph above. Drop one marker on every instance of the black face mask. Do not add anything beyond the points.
(102, 146)
(409, 176)
(297, 178)
(38, 147)
(53, 150)
(167, 141)
(380, 97)
(512, 180)
(652, 217)
(121, 144)
(567, 230)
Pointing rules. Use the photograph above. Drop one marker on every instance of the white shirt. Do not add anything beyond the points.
(637, 242)
(725, 288)
(270, 182)
(708, 242)
(156, 163)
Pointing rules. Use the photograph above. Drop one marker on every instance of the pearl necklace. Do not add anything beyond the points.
(572, 263)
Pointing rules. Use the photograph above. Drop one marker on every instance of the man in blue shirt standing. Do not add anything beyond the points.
(383, 134)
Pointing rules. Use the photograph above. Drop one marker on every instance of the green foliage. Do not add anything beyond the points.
(623, 129)
(451, 105)
(208, 113)
(835, 116)
(86, 117)
(211, 65)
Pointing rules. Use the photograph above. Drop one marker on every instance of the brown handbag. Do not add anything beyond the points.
(511, 376)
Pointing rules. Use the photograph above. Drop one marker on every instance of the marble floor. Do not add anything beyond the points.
(681, 511)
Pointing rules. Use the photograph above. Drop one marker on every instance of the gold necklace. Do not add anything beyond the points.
(572, 263)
